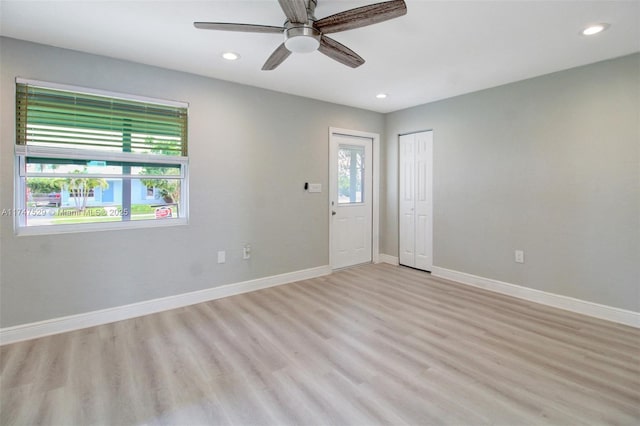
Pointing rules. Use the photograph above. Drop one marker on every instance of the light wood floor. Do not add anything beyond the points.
(376, 344)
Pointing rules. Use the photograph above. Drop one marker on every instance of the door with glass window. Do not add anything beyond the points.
(350, 200)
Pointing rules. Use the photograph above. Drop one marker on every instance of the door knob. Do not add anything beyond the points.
(333, 212)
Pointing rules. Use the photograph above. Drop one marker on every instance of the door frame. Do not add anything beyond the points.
(375, 193)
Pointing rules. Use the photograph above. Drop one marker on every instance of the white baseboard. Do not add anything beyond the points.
(385, 258)
(105, 316)
(75, 322)
(596, 310)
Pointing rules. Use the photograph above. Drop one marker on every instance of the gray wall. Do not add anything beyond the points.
(549, 165)
(251, 151)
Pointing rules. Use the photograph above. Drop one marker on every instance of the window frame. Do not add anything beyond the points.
(21, 152)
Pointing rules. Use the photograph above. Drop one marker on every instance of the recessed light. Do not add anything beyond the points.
(230, 56)
(594, 29)
(381, 95)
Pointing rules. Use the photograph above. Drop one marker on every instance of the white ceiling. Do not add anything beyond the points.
(438, 50)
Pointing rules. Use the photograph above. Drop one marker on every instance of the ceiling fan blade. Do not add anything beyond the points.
(277, 57)
(295, 10)
(361, 16)
(340, 52)
(245, 28)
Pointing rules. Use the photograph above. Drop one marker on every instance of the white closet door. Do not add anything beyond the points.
(407, 212)
(424, 200)
(416, 200)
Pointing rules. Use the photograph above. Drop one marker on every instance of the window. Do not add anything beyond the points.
(350, 174)
(91, 160)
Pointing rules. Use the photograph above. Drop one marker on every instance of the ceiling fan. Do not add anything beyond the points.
(303, 33)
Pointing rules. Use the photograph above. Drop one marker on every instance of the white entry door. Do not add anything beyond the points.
(350, 199)
(416, 200)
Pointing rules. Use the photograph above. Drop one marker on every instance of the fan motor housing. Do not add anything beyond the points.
(302, 38)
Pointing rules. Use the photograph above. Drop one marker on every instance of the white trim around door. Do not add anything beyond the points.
(375, 231)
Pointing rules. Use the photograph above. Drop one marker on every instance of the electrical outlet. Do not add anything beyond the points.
(519, 256)
(222, 256)
(246, 252)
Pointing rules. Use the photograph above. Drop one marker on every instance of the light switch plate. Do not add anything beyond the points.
(315, 187)
(222, 256)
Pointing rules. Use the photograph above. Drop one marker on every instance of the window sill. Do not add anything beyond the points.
(97, 227)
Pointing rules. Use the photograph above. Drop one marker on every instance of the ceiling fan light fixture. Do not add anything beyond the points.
(303, 33)
(594, 29)
(302, 39)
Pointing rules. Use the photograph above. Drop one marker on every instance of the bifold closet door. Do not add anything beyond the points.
(416, 200)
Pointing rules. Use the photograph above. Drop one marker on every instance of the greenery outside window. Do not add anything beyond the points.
(90, 160)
